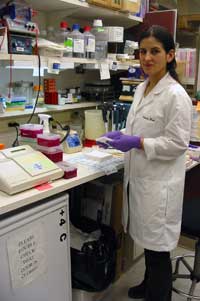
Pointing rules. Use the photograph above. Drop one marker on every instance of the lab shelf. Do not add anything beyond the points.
(31, 61)
(48, 109)
(83, 11)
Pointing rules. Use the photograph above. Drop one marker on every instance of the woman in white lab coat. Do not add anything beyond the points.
(155, 142)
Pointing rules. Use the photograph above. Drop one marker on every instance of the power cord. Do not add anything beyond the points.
(39, 87)
(65, 128)
(16, 126)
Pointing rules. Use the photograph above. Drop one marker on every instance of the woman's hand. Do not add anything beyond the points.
(125, 143)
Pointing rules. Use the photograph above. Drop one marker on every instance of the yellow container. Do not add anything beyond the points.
(131, 6)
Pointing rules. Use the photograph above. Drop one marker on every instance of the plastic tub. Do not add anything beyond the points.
(31, 130)
(48, 140)
(55, 154)
(70, 171)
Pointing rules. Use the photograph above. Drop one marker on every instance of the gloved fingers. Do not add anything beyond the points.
(113, 134)
(114, 143)
(102, 145)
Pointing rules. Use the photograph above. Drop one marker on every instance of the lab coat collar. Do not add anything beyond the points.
(165, 81)
(162, 84)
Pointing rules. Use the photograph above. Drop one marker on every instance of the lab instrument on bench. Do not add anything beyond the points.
(22, 168)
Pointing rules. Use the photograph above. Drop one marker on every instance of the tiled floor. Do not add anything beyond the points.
(134, 276)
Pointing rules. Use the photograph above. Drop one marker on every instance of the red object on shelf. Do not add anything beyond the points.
(49, 85)
(89, 143)
(51, 98)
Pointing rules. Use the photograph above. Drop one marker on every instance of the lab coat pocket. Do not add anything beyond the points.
(175, 201)
(152, 196)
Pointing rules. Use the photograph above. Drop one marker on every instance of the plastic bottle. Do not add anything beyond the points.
(78, 41)
(89, 41)
(43, 34)
(40, 101)
(101, 42)
(64, 40)
(2, 104)
(61, 36)
(51, 36)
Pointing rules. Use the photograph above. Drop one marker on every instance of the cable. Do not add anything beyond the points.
(65, 128)
(66, 135)
(39, 80)
(16, 126)
(16, 141)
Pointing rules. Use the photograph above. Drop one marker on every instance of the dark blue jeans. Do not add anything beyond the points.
(158, 276)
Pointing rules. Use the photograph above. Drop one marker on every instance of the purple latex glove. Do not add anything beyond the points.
(110, 135)
(126, 142)
(113, 134)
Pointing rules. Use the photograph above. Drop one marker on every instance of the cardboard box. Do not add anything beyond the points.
(120, 259)
(131, 6)
(115, 4)
(103, 3)
(187, 243)
(116, 210)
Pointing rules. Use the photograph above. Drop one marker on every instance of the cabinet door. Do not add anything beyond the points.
(166, 18)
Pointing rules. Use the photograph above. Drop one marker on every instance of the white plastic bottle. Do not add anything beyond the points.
(78, 41)
(89, 40)
(51, 36)
(62, 34)
(64, 39)
(101, 39)
(43, 34)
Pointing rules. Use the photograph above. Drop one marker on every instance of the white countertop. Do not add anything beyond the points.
(11, 202)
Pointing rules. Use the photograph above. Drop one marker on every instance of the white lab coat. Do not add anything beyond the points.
(156, 175)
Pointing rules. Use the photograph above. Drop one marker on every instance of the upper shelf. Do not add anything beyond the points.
(50, 109)
(31, 61)
(84, 11)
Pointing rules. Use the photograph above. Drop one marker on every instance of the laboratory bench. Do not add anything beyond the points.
(13, 202)
(84, 174)
(35, 239)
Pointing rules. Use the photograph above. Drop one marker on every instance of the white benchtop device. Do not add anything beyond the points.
(22, 168)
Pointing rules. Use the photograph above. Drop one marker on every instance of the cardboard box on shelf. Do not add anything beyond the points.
(131, 6)
(115, 4)
(111, 4)
(103, 3)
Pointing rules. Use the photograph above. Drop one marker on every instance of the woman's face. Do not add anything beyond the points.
(153, 58)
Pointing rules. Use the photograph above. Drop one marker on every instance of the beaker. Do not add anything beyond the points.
(94, 124)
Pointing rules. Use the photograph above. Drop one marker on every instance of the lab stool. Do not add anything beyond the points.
(190, 227)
